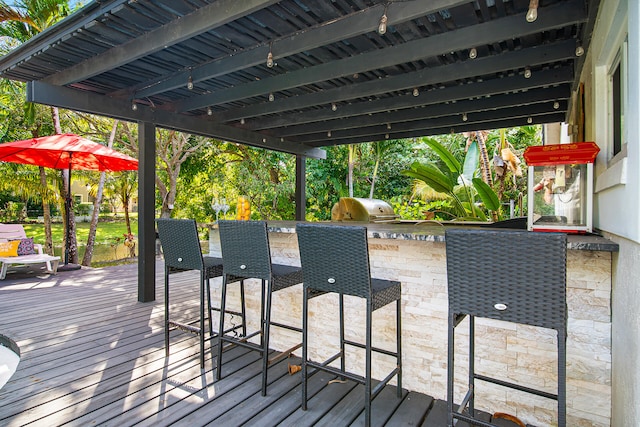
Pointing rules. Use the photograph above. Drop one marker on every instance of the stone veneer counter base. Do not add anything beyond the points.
(415, 255)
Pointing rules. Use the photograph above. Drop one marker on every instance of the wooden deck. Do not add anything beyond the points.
(92, 355)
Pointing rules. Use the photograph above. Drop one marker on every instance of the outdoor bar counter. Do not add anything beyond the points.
(415, 255)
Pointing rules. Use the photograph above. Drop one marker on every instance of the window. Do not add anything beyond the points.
(618, 95)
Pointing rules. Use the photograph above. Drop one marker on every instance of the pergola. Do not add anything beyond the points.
(297, 75)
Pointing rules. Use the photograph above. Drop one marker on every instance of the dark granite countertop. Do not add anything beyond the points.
(431, 231)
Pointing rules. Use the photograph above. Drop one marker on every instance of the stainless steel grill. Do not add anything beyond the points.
(365, 210)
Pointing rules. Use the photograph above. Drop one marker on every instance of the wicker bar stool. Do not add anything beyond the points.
(515, 276)
(246, 255)
(336, 259)
(181, 248)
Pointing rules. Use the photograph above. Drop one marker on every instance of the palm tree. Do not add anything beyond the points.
(19, 22)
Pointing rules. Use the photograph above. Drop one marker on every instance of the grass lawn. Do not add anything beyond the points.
(106, 232)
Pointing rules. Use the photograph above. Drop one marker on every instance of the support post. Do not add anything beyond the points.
(146, 212)
(301, 184)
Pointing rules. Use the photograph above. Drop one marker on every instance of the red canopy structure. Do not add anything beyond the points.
(66, 151)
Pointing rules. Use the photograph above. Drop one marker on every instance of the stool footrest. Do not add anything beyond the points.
(184, 327)
(242, 341)
(517, 387)
(376, 349)
(336, 371)
(235, 313)
(353, 377)
(284, 354)
(472, 421)
(282, 325)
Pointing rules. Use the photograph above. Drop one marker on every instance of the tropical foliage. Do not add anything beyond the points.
(459, 181)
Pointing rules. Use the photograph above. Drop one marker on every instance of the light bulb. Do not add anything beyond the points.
(386, 136)
(529, 120)
(270, 60)
(579, 51)
(532, 14)
(527, 73)
(334, 107)
(473, 53)
(190, 83)
(209, 112)
(382, 26)
(464, 117)
(134, 106)
(271, 97)
(329, 134)
(242, 121)
(415, 91)
(556, 105)
(388, 126)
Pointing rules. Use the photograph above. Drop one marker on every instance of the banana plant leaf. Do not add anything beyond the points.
(471, 160)
(452, 163)
(431, 176)
(486, 194)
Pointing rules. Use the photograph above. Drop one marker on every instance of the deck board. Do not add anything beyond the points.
(91, 354)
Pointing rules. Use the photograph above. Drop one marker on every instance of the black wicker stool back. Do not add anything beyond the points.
(181, 248)
(246, 255)
(336, 259)
(515, 276)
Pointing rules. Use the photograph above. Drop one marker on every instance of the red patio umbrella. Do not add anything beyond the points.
(66, 151)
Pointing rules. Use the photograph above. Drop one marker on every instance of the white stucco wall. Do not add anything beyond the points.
(617, 195)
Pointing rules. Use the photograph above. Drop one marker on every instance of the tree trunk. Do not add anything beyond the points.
(373, 178)
(46, 213)
(69, 217)
(350, 177)
(485, 167)
(97, 203)
(127, 220)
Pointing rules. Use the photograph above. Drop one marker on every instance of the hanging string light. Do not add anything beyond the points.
(527, 73)
(271, 97)
(532, 14)
(209, 112)
(382, 25)
(415, 91)
(464, 117)
(334, 107)
(473, 53)
(270, 57)
(190, 83)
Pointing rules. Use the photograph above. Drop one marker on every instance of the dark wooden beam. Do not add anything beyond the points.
(558, 15)
(506, 62)
(330, 32)
(374, 131)
(62, 29)
(77, 100)
(460, 127)
(434, 100)
(205, 18)
(393, 119)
